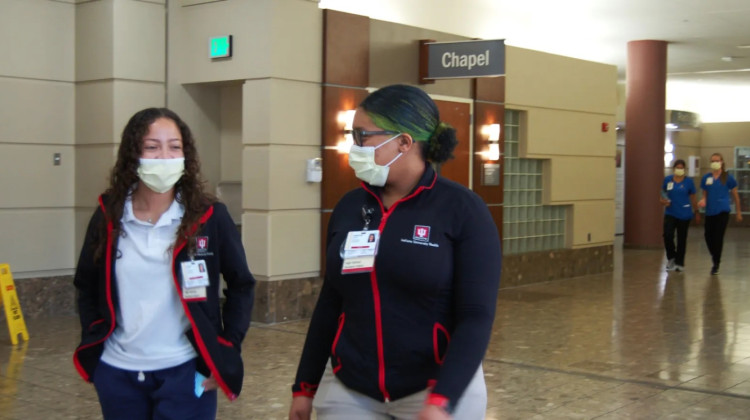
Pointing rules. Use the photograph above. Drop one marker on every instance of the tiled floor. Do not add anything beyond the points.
(637, 343)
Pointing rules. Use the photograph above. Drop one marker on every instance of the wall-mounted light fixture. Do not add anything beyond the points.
(345, 118)
(494, 152)
(492, 133)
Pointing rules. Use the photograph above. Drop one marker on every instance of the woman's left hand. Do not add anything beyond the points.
(739, 217)
(433, 412)
(210, 383)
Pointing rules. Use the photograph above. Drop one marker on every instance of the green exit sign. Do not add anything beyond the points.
(220, 46)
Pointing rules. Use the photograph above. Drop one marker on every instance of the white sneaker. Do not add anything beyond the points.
(671, 265)
(679, 268)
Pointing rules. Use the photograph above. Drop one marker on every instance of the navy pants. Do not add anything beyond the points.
(672, 224)
(715, 226)
(158, 395)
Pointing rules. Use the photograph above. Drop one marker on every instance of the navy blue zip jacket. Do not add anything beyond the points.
(423, 317)
(216, 332)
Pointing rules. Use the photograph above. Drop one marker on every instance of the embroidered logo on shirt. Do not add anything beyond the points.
(421, 236)
(201, 246)
(421, 233)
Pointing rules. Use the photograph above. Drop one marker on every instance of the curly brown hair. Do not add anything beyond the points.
(189, 190)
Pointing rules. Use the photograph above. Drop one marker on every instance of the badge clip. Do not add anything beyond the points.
(367, 213)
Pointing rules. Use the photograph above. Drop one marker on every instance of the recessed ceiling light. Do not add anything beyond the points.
(744, 46)
(727, 58)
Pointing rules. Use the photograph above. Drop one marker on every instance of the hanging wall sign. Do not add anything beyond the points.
(464, 59)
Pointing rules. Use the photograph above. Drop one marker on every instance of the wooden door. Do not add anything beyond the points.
(458, 115)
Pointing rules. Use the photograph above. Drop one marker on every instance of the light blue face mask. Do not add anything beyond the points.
(362, 160)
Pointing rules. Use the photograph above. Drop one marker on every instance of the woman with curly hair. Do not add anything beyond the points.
(155, 341)
(405, 320)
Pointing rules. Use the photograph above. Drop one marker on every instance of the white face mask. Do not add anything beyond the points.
(160, 175)
(362, 160)
(715, 166)
(679, 172)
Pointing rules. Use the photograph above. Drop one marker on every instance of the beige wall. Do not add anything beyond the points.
(686, 143)
(229, 187)
(270, 38)
(621, 102)
(394, 58)
(37, 95)
(261, 129)
(120, 66)
(72, 73)
(564, 103)
(723, 138)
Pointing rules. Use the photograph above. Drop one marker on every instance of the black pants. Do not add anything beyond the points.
(671, 224)
(714, 233)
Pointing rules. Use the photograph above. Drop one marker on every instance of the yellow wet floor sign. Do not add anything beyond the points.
(13, 315)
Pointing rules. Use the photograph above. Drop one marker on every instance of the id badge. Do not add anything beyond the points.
(670, 186)
(710, 180)
(359, 251)
(194, 293)
(194, 274)
(358, 265)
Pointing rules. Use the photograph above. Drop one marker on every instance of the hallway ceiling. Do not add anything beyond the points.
(709, 40)
(699, 32)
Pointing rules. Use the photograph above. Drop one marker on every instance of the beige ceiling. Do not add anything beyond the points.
(699, 32)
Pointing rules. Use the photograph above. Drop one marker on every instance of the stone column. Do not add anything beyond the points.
(644, 142)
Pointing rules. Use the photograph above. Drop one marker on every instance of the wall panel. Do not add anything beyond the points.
(37, 40)
(538, 79)
(28, 178)
(38, 240)
(553, 132)
(36, 111)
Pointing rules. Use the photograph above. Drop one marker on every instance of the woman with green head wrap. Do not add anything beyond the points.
(404, 319)
(398, 123)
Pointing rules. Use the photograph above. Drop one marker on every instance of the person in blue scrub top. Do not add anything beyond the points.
(717, 186)
(678, 198)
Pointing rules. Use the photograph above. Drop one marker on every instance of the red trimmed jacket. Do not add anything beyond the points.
(216, 330)
(422, 318)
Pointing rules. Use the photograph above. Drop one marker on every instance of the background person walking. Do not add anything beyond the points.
(678, 197)
(717, 186)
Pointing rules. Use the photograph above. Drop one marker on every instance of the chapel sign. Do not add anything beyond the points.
(462, 59)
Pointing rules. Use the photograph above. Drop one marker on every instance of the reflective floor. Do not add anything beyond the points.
(639, 343)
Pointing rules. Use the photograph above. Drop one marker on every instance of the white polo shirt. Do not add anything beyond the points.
(151, 323)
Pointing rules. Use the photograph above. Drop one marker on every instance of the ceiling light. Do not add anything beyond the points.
(727, 58)
(746, 46)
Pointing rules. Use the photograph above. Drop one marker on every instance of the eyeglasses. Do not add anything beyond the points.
(359, 135)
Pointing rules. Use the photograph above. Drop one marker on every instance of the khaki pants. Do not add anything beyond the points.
(334, 401)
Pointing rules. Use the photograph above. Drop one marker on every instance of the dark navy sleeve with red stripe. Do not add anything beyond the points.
(477, 262)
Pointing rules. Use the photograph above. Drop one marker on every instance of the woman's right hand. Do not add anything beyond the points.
(301, 408)
(702, 203)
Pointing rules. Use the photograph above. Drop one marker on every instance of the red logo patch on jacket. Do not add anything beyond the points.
(201, 243)
(421, 233)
